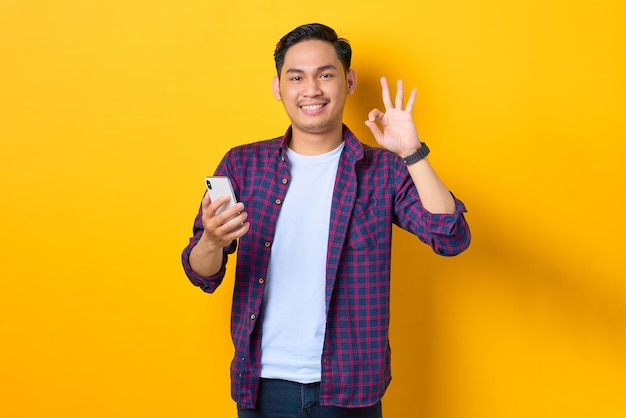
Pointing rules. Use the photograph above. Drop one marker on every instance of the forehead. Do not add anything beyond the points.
(311, 54)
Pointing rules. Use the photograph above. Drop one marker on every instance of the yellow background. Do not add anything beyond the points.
(111, 113)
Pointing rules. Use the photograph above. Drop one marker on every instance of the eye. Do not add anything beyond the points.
(326, 75)
(296, 78)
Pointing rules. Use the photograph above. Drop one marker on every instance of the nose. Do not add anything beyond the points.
(311, 87)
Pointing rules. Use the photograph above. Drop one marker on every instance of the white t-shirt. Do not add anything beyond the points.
(294, 316)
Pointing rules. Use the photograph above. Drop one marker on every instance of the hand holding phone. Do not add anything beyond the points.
(218, 233)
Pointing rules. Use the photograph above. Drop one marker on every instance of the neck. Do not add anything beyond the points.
(306, 143)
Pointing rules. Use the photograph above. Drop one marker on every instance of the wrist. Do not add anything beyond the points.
(208, 245)
(405, 153)
(420, 153)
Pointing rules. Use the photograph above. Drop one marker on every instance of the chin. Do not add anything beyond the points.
(318, 128)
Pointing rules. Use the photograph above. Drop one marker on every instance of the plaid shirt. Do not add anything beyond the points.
(373, 190)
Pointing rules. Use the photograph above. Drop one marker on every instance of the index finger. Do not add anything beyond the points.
(206, 201)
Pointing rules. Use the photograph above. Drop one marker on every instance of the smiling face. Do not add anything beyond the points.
(313, 87)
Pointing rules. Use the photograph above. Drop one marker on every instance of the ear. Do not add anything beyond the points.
(276, 87)
(351, 81)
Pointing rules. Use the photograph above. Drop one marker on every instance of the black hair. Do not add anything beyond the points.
(313, 31)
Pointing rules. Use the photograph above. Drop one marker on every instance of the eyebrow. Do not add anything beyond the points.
(319, 69)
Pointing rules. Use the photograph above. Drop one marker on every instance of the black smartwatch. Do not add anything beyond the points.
(421, 152)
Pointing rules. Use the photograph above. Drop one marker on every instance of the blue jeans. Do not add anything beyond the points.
(284, 399)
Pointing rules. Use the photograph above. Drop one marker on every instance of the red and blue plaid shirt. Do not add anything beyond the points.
(373, 191)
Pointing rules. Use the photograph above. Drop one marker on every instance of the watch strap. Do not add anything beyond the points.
(421, 153)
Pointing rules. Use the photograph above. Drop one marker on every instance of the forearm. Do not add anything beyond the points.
(205, 260)
(435, 196)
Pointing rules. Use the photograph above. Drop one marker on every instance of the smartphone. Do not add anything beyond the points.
(218, 186)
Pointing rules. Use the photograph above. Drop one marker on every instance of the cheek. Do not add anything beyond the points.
(341, 94)
(284, 93)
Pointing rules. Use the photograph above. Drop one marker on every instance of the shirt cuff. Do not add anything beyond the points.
(207, 283)
(445, 223)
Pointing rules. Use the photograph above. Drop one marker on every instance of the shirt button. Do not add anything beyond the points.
(261, 280)
(278, 201)
(253, 317)
(267, 244)
(285, 181)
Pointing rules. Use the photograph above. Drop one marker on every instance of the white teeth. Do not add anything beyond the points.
(313, 107)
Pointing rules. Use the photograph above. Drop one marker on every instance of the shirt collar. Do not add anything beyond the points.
(353, 148)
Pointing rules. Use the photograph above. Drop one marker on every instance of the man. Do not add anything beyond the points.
(310, 312)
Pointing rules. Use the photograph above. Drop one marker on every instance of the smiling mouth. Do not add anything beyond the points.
(313, 107)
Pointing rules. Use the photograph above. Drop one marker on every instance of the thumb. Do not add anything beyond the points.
(378, 134)
(372, 117)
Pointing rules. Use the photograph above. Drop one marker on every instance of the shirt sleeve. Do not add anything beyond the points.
(446, 234)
